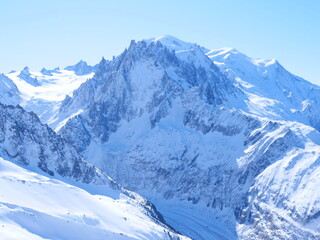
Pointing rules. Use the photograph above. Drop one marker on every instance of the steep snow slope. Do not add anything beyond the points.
(165, 122)
(36, 207)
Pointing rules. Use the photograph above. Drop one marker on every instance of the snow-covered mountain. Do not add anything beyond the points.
(225, 146)
(174, 125)
(36, 204)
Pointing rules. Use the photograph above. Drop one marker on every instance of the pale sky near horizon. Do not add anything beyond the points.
(47, 33)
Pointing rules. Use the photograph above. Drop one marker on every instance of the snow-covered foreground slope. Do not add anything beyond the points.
(36, 207)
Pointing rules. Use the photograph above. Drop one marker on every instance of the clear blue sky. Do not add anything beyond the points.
(50, 33)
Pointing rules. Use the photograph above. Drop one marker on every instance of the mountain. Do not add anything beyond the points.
(199, 133)
(225, 146)
(54, 193)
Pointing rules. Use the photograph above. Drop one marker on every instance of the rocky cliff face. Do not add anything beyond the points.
(29, 143)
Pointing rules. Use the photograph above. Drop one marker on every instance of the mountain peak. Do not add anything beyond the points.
(82, 63)
(169, 39)
(26, 76)
(81, 68)
(185, 51)
(172, 43)
(25, 69)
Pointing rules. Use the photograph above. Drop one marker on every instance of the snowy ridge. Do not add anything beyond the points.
(272, 91)
(173, 43)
